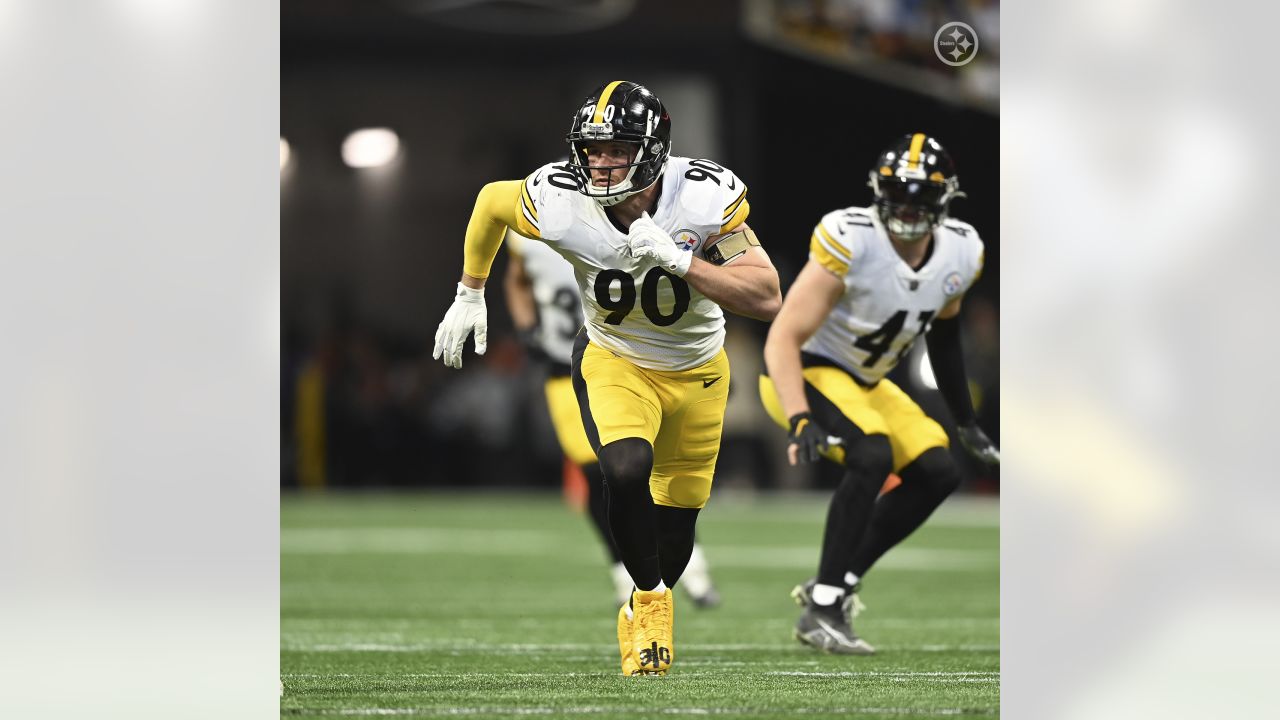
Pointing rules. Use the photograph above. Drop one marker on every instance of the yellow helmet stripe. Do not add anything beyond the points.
(604, 100)
(913, 155)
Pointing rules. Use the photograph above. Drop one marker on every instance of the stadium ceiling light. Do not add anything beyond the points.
(370, 147)
(284, 153)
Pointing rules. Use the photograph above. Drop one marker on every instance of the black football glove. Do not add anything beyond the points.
(532, 347)
(978, 444)
(808, 437)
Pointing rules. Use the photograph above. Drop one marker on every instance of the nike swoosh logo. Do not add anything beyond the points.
(537, 179)
(709, 383)
(732, 183)
(839, 636)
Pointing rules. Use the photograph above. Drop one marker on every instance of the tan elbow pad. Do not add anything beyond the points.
(727, 248)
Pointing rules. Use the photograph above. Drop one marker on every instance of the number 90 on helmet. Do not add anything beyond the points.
(914, 182)
(621, 111)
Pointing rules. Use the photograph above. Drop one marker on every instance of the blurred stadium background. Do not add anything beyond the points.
(797, 96)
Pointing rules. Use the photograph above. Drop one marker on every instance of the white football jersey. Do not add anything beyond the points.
(886, 305)
(634, 308)
(555, 291)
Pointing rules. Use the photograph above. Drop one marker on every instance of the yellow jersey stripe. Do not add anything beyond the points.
(526, 218)
(982, 262)
(527, 199)
(526, 224)
(525, 227)
(604, 100)
(739, 216)
(913, 155)
(733, 206)
(836, 248)
(819, 252)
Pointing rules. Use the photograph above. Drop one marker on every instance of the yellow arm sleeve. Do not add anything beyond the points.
(497, 208)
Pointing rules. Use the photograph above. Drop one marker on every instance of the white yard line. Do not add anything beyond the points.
(463, 646)
(342, 625)
(797, 673)
(532, 543)
(420, 540)
(902, 558)
(959, 511)
(645, 710)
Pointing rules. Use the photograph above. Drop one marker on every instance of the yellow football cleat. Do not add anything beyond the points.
(629, 664)
(652, 631)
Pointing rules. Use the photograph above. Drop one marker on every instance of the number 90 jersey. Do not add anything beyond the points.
(886, 304)
(634, 308)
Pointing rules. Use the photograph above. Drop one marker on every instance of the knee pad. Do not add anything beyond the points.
(871, 455)
(934, 468)
(627, 464)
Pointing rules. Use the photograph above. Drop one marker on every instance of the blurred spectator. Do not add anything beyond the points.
(866, 32)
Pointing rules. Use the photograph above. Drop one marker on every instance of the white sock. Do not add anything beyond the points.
(661, 587)
(622, 585)
(826, 594)
(697, 575)
(850, 579)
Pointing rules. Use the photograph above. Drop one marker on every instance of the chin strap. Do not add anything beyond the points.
(611, 200)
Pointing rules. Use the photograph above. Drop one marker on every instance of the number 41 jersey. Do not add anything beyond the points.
(634, 308)
(886, 304)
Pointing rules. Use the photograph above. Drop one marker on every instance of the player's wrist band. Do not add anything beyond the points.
(798, 421)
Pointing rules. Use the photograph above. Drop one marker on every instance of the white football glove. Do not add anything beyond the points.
(646, 240)
(465, 315)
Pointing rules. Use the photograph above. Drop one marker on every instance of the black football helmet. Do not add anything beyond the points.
(914, 182)
(624, 112)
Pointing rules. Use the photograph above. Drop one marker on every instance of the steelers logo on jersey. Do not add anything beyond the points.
(952, 284)
(687, 239)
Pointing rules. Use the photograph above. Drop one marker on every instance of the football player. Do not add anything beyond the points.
(877, 279)
(542, 297)
(658, 245)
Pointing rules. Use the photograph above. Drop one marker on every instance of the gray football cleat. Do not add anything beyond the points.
(826, 628)
(707, 600)
(851, 605)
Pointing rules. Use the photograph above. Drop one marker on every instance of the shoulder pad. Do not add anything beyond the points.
(960, 227)
(972, 249)
(838, 239)
(546, 198)
(712, 194)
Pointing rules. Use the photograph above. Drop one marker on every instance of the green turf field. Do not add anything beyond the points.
(499, 605)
